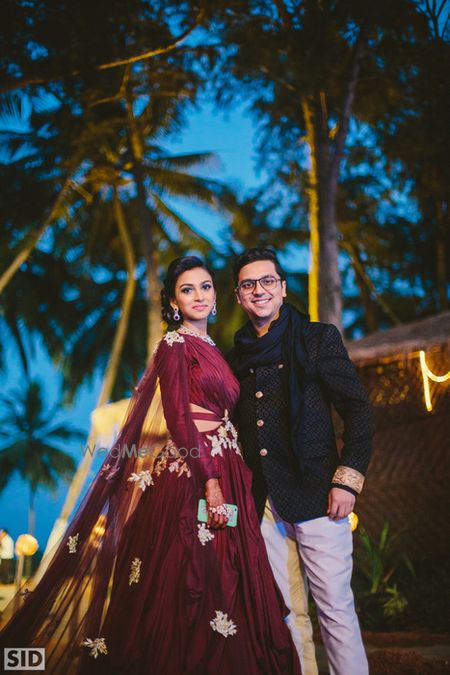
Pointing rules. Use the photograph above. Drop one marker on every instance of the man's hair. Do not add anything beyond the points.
(254, 255)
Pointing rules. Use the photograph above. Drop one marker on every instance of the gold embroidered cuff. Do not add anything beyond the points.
(351, 478)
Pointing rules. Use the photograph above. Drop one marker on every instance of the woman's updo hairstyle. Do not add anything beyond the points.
(176, 268)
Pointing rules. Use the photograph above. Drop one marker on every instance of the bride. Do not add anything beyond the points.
(139, 585)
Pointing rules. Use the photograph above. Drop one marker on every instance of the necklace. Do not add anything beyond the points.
(189, 331)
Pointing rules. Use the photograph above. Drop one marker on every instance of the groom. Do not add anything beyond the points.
(291, 372)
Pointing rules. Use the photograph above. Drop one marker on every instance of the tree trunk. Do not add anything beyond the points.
(325, 296)
(324, 290)
(146, 218)
(330, 299)
(313, 216)
(109, 378)
(33, 239)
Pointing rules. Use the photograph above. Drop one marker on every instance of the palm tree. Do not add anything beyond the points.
(110, 374)
(30, 451)
(119, 178)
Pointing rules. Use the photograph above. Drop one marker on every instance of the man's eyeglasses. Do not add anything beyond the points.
(267, 282)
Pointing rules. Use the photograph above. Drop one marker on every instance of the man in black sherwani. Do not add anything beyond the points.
(292, 371)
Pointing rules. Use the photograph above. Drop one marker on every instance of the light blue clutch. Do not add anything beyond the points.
(202, 514)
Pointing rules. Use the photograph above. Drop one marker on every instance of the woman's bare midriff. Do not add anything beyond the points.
(203, 425)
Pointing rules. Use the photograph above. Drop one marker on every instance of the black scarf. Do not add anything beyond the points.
(284, 342)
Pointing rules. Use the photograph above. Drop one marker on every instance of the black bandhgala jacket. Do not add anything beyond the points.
(299, 485)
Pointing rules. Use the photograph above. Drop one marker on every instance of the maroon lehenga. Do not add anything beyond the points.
(138, 586)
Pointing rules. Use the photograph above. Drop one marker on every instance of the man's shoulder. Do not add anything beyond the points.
(318, 335)
(315, 329)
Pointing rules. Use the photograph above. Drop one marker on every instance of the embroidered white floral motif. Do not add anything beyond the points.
(180, 467)
(135, 571)
(205, 338)
(97, 646)
(216, 445)
(160, 464)
(105, 468)
(225, 437)
(222, 624)
(204, 534)
(72, 543)
(143, 478)
(173, 336)
(184, 469)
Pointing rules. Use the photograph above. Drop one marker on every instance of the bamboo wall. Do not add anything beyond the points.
(408, 482)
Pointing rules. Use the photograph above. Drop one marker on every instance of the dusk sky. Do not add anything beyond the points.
(231, 137)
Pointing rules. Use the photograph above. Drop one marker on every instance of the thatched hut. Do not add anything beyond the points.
(407, 372)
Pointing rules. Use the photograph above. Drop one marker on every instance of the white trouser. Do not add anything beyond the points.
(319, 551)
(289, 573)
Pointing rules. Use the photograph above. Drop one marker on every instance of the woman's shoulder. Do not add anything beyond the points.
(171, 344)
(173, 337)
(184, 340)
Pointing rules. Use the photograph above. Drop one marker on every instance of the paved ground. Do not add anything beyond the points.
(389, 653)
(401, 654)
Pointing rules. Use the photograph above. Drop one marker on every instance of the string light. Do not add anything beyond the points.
(428, 375)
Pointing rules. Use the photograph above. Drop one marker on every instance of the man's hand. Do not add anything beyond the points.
(340, 503)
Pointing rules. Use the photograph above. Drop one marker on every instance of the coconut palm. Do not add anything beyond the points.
(30, 435)
(103, 137)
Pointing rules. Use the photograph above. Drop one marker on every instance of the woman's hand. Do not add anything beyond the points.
(214, 498)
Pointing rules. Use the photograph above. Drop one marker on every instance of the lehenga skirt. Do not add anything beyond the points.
(183, 599)
(187, 599)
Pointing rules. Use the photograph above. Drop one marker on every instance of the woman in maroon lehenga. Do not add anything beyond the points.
(139, 586)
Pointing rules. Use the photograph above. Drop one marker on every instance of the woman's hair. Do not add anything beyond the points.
(255, 255)
(175, 269)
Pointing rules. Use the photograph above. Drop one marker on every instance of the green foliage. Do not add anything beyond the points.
(378, 560)
(70, 123)
(392, 211)
(76, 131)
(380, 603)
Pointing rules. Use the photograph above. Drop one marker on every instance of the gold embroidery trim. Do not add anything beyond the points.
(135, 571)
(351, 478)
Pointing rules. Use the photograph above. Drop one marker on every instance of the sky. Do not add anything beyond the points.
(231, 137)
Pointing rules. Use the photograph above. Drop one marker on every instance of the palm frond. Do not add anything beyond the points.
(184, 227)
(187, 160)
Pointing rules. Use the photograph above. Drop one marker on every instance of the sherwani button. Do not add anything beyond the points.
(281, 365)
(260, 423)
(252, 370)
(259, 394)
(263, 452)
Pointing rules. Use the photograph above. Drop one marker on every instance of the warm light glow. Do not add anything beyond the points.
(98, 531)
(353, 520)
(26, 544)
(428, 375)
